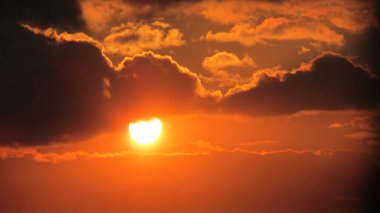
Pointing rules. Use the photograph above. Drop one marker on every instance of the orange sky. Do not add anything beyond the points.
(266, 106)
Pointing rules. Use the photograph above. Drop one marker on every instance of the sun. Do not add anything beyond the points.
(145, 132)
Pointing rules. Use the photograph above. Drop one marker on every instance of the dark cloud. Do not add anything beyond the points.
(63, 14)
(53, 91)
(332, 83)
(49, 91)
(150, 84)
(364, 46)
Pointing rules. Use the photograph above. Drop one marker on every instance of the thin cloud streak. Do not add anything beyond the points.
(7, 153)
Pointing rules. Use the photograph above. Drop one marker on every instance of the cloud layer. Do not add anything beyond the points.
(57, 81)
(63, 88)
(277, 29)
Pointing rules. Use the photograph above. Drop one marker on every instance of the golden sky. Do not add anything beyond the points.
(265, 106)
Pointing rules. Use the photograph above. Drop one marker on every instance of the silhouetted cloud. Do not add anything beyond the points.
(49, 91)
(331, 82)
(150, 84)
(62, 14)
(63, 88)
(364, 46)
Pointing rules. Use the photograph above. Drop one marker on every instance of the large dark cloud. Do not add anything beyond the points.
(53, 91)
(151, 85)
(62, 14)
(332, 83)
(365, 46)
(49, 91)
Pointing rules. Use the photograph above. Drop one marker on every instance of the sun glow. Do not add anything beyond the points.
(145, 132)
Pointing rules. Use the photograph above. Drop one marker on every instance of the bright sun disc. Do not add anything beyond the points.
(145, 132)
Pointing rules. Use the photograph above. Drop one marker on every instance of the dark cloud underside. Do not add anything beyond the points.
(63, 14)
(332, 83)
(48, 90)
(152, 85)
